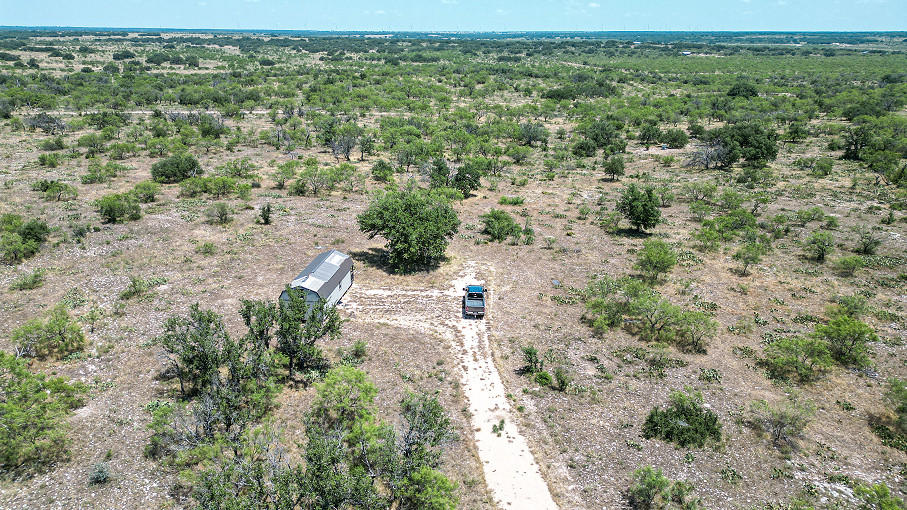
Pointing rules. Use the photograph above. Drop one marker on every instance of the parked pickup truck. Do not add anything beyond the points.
(474, 301)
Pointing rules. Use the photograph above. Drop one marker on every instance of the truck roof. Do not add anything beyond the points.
(475, 288)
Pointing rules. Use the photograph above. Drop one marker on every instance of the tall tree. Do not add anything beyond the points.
(416, 224)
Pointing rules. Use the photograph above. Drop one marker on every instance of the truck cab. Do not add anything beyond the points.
(474, 301)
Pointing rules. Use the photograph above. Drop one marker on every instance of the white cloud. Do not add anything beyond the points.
(380, 12)
(594, 5)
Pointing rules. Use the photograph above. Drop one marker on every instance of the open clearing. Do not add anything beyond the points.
(511, 472)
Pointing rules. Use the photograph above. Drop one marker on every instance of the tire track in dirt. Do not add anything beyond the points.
(510, 469)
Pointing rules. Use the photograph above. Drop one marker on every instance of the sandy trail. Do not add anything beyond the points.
(511, 471)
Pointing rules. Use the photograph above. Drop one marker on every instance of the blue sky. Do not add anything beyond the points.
(487, 15)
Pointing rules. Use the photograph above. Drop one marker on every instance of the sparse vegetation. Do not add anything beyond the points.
(730, 218)
(784, 421)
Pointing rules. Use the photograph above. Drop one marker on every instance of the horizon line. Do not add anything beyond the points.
(363, 31)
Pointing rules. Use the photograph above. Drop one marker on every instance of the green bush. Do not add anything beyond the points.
(116, 207)
(655, 258)
(511, 201)
(675, 138)
(563, 378)
(499, 225)
(219, 187)
(98, 173)
(868, 240)
(897, 397)
(584, 148)
(57, 337)
(299, 188)
(146, 191)
(193, 187)
(206, 248)
(639, 207)
(818, 245)
(804, 358)
(533, 364)
(853, 306)
(382, 171)
(19, 239)
(417, 225)
(878, 497)
(285, 171)
(749, 254)
(53, 144)
(219, 213)
(848, 265)
(847, 340)
(265, 214)
(14, 249)
(49, 160)
(651, 490)
(176, 168)
(685, 423)
(55, 191)
(32, 416)
(615, 167)
(543, 379)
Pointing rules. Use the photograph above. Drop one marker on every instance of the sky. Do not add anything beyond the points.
(464, 15)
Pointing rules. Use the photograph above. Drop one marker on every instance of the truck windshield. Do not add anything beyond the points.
(475, 295)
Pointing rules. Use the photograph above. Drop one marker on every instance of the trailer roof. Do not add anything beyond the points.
(324, 273)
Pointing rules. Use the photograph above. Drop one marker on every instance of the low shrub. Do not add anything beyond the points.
(785, 421)
(219, 214)
(651, 490)
(176, 168)
(511, 201)
(55, 191)
(686, 422)
(49, 160)
(28, 281)
(116, 207)
(53, 144)
(146, 191)
(543, 379)
(57, 337)
(382, 171)
(19, 239)
(265, 214)
(100, 474)
(32, 421)
(499, 225)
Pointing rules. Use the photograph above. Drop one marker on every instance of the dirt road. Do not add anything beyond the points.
(509, 466)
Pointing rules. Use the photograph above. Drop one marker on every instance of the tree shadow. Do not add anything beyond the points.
(738, 271)
(632, 233)
(378, 258)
